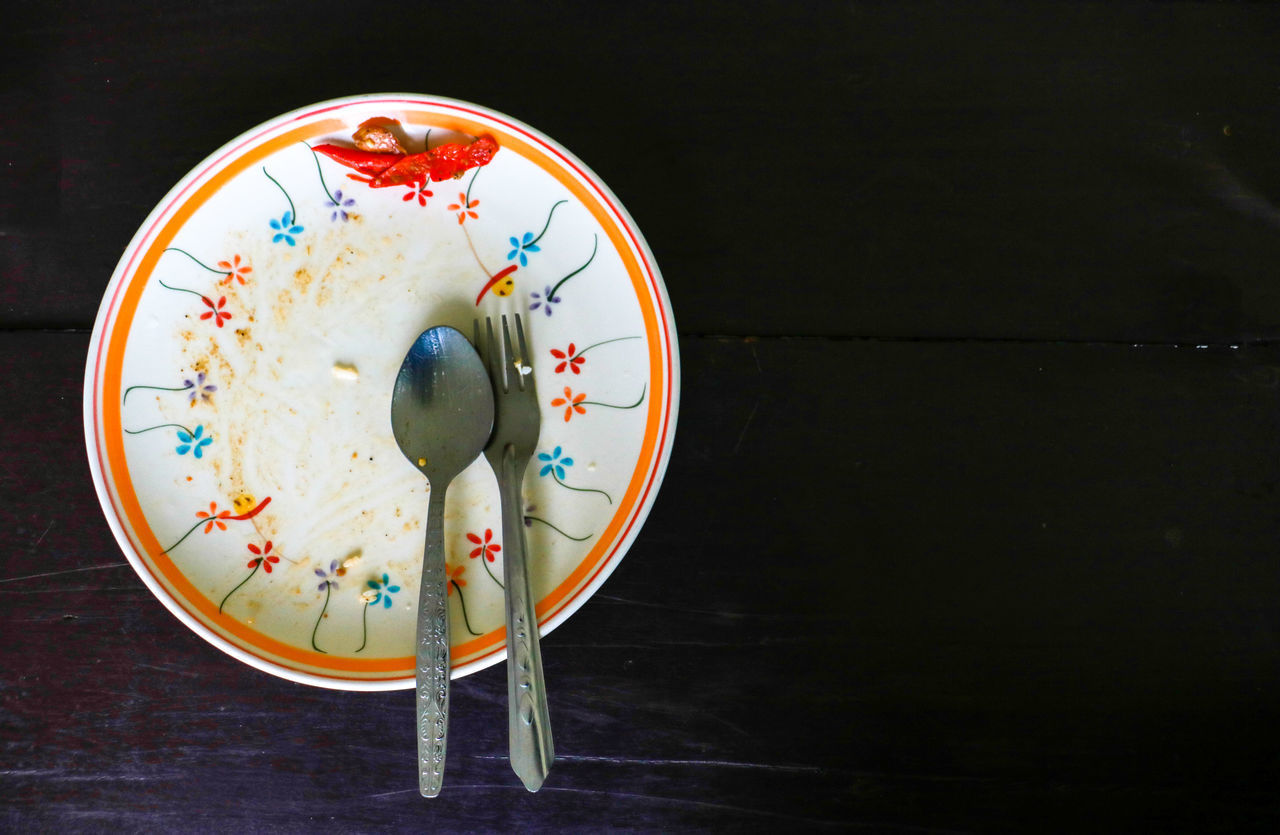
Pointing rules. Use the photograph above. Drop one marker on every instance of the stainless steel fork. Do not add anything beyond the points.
(515, 436)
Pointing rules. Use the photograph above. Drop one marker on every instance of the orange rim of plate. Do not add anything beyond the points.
(110, 340)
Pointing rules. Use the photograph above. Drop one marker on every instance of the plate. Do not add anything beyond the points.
(238, 389)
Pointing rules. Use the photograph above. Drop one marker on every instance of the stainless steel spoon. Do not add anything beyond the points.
(441, 415)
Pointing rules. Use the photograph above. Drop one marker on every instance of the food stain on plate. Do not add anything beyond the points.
(273, 309)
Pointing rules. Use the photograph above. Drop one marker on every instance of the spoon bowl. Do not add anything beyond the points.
(441, 416)
(442, 404)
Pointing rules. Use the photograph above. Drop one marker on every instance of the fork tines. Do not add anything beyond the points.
(501, 357)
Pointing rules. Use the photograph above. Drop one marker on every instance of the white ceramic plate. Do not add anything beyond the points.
(237, 389)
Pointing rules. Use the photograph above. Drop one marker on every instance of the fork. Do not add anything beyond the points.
(515, 436)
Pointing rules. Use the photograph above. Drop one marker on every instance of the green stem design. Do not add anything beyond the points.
(581, 489)
(293, 214)
(612, 406)
(595, 246)
(237, 588)
(152, 388)
(484, 560)
(197, 260)
(548, 224)
(463, 604)
(467, 199)
(180, 289)
(557, 530)
(160, 426)
(185, 535)
(606, 342)
(328, 590)
(323, 184)
(364, 627)
(208, 519)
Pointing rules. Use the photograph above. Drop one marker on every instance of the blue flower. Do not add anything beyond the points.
(326, 577)
(555, 464)
(384, 591)
(285, 229)
(522, 246)
(193, 442)
(546, 300)
(339, 206)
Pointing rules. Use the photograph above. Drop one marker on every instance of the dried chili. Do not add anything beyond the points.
(448, 161)
(366, 162)
(376, 135)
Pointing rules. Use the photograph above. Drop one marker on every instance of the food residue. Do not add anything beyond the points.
(375, 135)
(380, 156)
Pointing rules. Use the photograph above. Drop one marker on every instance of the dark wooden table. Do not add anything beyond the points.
(973, 518)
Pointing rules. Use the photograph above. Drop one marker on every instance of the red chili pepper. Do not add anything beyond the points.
(443, 162)
(453, 158)
(412, 168)
(366, 162)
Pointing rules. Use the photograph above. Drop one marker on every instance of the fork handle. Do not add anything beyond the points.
(529, 723)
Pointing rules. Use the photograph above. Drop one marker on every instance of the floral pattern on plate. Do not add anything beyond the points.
(277, 292)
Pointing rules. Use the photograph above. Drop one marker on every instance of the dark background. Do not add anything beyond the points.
(971, 523)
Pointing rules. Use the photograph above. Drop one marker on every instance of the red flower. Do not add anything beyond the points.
(571, 403)
(568, 360)
(463, 208)
(215, 310)
(265, 557)
(485, 547)
(454, 576)
(234, 270)
(214, 516)
(420, 191)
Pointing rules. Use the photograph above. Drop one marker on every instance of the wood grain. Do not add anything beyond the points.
(1030, 578)
(971, 519)
(1100, 172)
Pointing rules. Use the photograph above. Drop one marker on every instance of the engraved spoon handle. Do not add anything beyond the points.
(529, 724)
(433, 652)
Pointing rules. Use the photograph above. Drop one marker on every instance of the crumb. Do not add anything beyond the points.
(350, 562)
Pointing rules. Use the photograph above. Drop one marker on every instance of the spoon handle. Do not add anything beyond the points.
(433, 652)
(529, 724)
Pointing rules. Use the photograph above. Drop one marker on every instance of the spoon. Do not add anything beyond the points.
(441, 415)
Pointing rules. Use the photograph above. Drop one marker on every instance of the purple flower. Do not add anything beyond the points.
(326, 577)
(198, 388)
(544, 300)
(339, 205)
